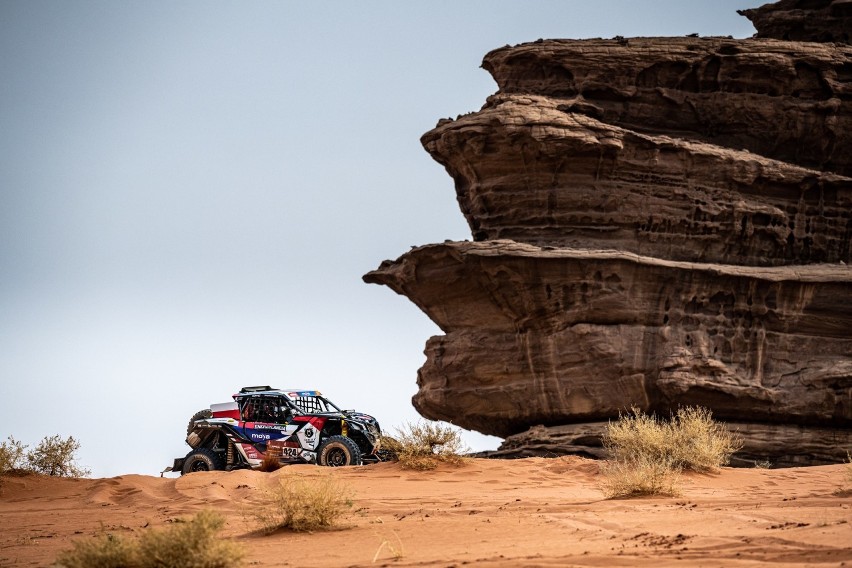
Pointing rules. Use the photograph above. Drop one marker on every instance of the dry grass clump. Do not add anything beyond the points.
(394, 546)
(187, 544)
(52, 456)
(389, 448)
(647, 454)
(700, 443)
(641, 475)
(424, 445)
(299, 504)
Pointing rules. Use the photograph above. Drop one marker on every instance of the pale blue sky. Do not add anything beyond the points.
(191, 191)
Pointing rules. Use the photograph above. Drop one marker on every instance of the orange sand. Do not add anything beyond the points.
(531, 512)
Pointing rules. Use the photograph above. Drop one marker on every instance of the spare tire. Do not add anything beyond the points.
(200, 415)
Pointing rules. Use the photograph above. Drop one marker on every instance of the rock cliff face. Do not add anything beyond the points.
(804, 20)
(657, 222)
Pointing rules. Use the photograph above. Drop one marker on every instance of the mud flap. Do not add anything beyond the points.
(177, 466)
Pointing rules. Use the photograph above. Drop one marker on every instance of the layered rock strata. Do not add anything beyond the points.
(780, 445)
(658, 222)
(527, 170)
(804, 20)
(534, 335)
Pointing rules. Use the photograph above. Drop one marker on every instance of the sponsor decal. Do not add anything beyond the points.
(265, 426)
(309, 432)
(259, 436)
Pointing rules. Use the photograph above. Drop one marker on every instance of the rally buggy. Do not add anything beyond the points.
(285, 426)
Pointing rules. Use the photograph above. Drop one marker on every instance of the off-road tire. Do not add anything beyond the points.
(202, 459)
(200, 415)
(338, 451)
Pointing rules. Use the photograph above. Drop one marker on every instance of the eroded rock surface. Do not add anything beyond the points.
(804, 20)
(778, 445)
(783, 100)
(535, 335)
(657, 222)
(527, 170)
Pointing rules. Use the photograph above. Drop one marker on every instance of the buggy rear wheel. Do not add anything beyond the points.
(338, 451)
(202, 459)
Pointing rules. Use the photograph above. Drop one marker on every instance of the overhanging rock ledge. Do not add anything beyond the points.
(656, 222)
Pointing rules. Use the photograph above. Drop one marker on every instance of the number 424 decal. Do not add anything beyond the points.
(290, 452)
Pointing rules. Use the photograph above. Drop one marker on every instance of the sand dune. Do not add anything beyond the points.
(530, 512)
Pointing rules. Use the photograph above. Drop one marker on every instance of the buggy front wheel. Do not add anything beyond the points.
(338, 451)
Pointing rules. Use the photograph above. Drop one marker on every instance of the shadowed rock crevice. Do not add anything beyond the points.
(657, 222)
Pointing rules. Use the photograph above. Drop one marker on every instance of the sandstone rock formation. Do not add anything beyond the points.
(804, 20)
(657, 222)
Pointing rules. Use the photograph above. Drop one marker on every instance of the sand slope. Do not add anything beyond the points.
(531, 512)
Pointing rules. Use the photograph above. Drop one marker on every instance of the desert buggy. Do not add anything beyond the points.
(288, 426)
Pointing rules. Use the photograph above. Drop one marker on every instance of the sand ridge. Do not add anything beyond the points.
(528, 512)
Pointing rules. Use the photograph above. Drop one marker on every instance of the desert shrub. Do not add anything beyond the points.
(105, 550)
(698, 442)
(690, 440)
(12, 455)
(390, 448)
(641, 475)
(191, 544)
(634, 436)
(301, 504)
(188, 544)
(646, 455)
(423, 445)
(55, 456)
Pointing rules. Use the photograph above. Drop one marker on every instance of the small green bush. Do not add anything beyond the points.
(12, 455)
(191, 544)
(646, 455)
(300, 504)
(424, 445)
(52, 456)
(105, 550)
(187, 544)
(57, 457)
